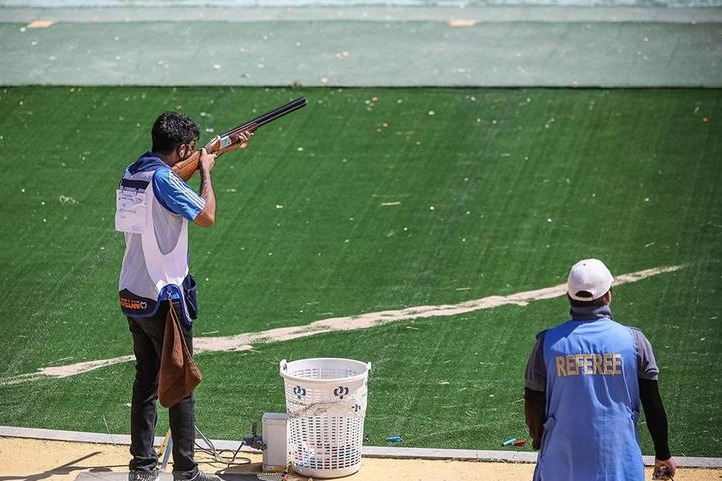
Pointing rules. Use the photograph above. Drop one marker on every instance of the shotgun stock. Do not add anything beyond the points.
(233, 139)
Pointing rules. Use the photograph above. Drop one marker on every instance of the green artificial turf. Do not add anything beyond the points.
(368, 200)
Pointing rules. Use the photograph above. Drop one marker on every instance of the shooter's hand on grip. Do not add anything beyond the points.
(207, 216)
(206, 161)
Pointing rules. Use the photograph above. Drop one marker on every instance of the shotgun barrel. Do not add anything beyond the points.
(268, 117)
(232, 139)
(280, 111)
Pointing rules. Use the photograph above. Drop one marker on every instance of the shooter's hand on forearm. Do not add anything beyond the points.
(245, 137)
(241, 142)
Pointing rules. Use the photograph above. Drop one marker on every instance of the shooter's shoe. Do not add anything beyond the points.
(199, 476)
(139, 475)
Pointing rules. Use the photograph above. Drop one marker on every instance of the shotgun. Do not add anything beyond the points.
(232, 139)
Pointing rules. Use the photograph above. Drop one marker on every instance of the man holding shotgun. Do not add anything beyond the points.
(154, 207)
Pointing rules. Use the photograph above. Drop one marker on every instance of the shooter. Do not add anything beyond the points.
(157, 292)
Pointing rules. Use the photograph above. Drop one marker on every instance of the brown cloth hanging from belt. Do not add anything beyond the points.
(179, 375)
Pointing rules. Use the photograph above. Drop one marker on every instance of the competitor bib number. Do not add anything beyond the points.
(131, 210)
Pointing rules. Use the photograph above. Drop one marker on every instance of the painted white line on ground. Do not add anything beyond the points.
(245, 341)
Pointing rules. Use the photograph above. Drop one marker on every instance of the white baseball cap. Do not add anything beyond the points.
(589, 279)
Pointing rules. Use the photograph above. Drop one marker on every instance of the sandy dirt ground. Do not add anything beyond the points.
(36, 460)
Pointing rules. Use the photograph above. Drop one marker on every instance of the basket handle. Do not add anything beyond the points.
(283, 365)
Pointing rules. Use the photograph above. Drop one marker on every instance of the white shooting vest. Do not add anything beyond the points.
(155, 262)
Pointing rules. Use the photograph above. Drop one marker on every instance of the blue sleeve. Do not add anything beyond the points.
(175, 195)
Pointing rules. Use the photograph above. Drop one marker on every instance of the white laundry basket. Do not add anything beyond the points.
(326, 405)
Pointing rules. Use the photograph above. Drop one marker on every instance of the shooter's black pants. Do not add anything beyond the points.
(147, 344)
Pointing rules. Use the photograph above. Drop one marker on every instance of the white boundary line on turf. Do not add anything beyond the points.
(367, 451)
(245, 341)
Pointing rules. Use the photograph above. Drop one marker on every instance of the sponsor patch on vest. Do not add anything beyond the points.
(135, 306)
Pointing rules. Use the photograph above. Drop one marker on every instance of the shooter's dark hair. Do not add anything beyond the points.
(172, 129)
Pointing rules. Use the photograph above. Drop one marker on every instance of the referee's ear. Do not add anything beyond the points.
(608, 297)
